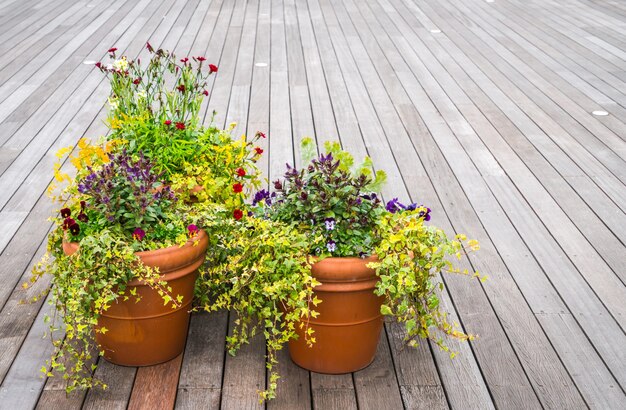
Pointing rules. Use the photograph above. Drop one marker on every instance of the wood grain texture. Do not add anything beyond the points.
(200, 382)
(155, 386)
(480, 110)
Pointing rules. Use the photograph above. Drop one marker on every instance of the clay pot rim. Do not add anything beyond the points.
(155, 252)
(201, 238)
(343, 259)
(343, 268)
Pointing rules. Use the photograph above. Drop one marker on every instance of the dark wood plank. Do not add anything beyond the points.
(200, 383)
(155, 386)
(244, 375)
(119, 380)
(333, 391)
(377, 385)
(417, 374)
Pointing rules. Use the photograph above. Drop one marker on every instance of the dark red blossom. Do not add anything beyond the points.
(184, 60)
(258, 150)
(137, 80)
(82, 217)
(75, 229)
(112, 50)
(193, 230)
(66, 212)
(200, 58)
(212, 68)
(206, 93)
(260, 134)
(237, 188)
(181, 88)
(167, 122)
(237, 214)
(68, 222)
(180, 125)
(98, 64)
(83, 204)
(149, 47)
(241, 172)
(139, 234)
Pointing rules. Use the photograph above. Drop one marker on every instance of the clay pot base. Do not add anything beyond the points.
(148, 332)
(348, 328)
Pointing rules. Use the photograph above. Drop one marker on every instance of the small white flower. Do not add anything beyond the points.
(121, 64)
(113, 103)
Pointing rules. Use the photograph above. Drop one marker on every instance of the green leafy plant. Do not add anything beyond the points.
(113, 207)
(331, 200)
(331, 208)
(148, 185)
(258, 269)
(167, 91)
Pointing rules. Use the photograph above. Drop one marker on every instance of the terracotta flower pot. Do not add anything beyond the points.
(348, 327)
(147, 332)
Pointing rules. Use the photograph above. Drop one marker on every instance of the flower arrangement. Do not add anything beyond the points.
(331, 208)
(147, 186)
(114, 206)
(166, 90)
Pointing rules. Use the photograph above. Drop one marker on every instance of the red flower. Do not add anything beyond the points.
(137, 80)
(83, 204)
(149, 47)
(193, 230)
(66, 212)
(82, 217)
(258, 150)
(112, 50)
(241, 172)
(75, 229)
(139, 234)
(98, 64)
(260, 134)
(167, 122)
(237, 188)
(200, 58)
(237, 214)
(205, 92)
(184, 60)
(212, 68)
(68, 223)
(180, 125)
(181, 88)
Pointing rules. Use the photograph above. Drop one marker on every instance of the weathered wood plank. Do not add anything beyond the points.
(377, 385)
(155, 386)
(333, 391)
(200, 383)
(119, 380)
(244, 374)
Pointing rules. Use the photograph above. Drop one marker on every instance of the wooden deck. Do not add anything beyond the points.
(480, 109)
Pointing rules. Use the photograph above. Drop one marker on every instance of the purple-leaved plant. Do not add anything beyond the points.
(126, 192)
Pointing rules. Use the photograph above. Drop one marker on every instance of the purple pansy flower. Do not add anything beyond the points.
(331, 246)
(394, 206)
(330, 224)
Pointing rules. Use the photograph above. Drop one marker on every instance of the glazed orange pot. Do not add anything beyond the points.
(349, 322)
(145, 333)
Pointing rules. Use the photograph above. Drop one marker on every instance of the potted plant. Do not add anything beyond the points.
(349, 260)
(126, 247)
(121, 238)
